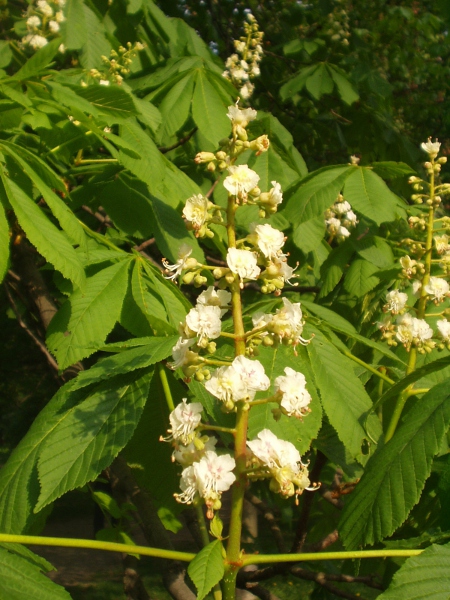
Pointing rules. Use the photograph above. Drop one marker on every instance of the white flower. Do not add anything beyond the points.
(246, 90)
(240, 46)
(62, 49)
(33, 22)
(431, 148)
(442, 245)
(45, 8)
(416, 287)
(437, 288)
(295, 396)
(59, 17)
(196, 210)
(260, 319)
(408, 264)
(444, 329)
(396, 301)
(256, 71)
(241, 117)
(104, 82)
(342, 207)
(276, 195)
(288, 322)
(343, 232)
(184, 419)
(239, 74)
(182, 355)
(413, 331)
(226, 385)
(53, 26)
(35, 41)
(240, 180)
(183, 262)
(350, 219)
(252, 375)
(286, 272)
(243, 263)
(333, 224)
(213, 297)
(205, 321)
(269, 240)
(193, 452)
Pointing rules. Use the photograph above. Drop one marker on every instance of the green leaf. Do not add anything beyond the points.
(395, 475)
(207, 568)
(317, 192)
(110, 99)
(23, 581)
(360, 278)
(19, 485)
(319, 82)
(375, 250)
(107, 503)
(4, 243)
(150, 167)
(297, 83)
(155, 350)
(85, 319)
(343, 396)
(38, 171)
(5, 53)
(298, 432)
(176, 106)
(423, 576)
(333, 267)
(88, 437)
(76, 34)
(49, 241)
(309, 234)
(96, 44)
(208, 110)
(346, 91)
(391, 169)
(369, 195)
(38, 62)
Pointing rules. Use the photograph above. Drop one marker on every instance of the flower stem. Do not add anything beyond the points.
(166, 387)
(379, 374)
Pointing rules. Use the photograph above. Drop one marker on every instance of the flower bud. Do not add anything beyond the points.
(204, 157)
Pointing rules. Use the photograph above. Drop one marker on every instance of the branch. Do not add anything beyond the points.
(179, 143)
(267, 513)
(320, 578)
(261, 592)
(328, 540)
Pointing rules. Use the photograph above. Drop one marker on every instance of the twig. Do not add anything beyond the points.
(267, 513)
(261, 592)
(164, 150)
(106, 221)
(145, 244)
(324, 543)
(212, 188)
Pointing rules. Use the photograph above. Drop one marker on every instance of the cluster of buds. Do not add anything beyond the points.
(339, 219)
(279, 461)
(243, 66)
(43, 23)
(338, 26)
(117, 66)
(410, 328)
(285, 326)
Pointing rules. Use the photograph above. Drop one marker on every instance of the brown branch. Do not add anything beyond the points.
(324, 543)
(308, 499)
(212, 188)
(261, 592)
(164, 150)
(145, 244)
(268, 515)
(132, 583)
(104, 220)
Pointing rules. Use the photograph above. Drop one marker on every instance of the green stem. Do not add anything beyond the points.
(251, 559)
(166, 387)
(217, 428)
(237, 500)
(379, 374)
(95, 545)
(88, 161)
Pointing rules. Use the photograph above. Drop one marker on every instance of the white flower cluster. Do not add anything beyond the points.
(281, 462)
(43, 22)
(285, 326)
(243, 66)
(414, 332)
(340, 218)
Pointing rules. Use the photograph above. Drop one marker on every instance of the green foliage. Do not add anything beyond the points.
(207, 568)
(395, 475)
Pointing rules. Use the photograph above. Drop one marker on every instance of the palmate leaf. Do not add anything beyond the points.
(38, 62)
(207, 568)
(344, 399)
(360, 278)
(48, 240)
(20, 580)
(85, 319)
(208, 110)
(423, 576)
(299, 433)
(76, 34)
(395, 475)
(19, 485)
(88, 437)
(176, 106)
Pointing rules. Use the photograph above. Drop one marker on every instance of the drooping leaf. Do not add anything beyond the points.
(85, 319)
(360, 278)
(76, 34)
(396, 473)
(309, 234)
(319, 82)
(49, 241)
(346, 91)
(88, 437)
(333, 267)
(21, 580)
(38, 62)
(207, 568)
(208, 110)
(344, 399)
(423, 576)
(176, 106)
(96, 43)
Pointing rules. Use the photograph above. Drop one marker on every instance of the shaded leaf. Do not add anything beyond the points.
(207, 568)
